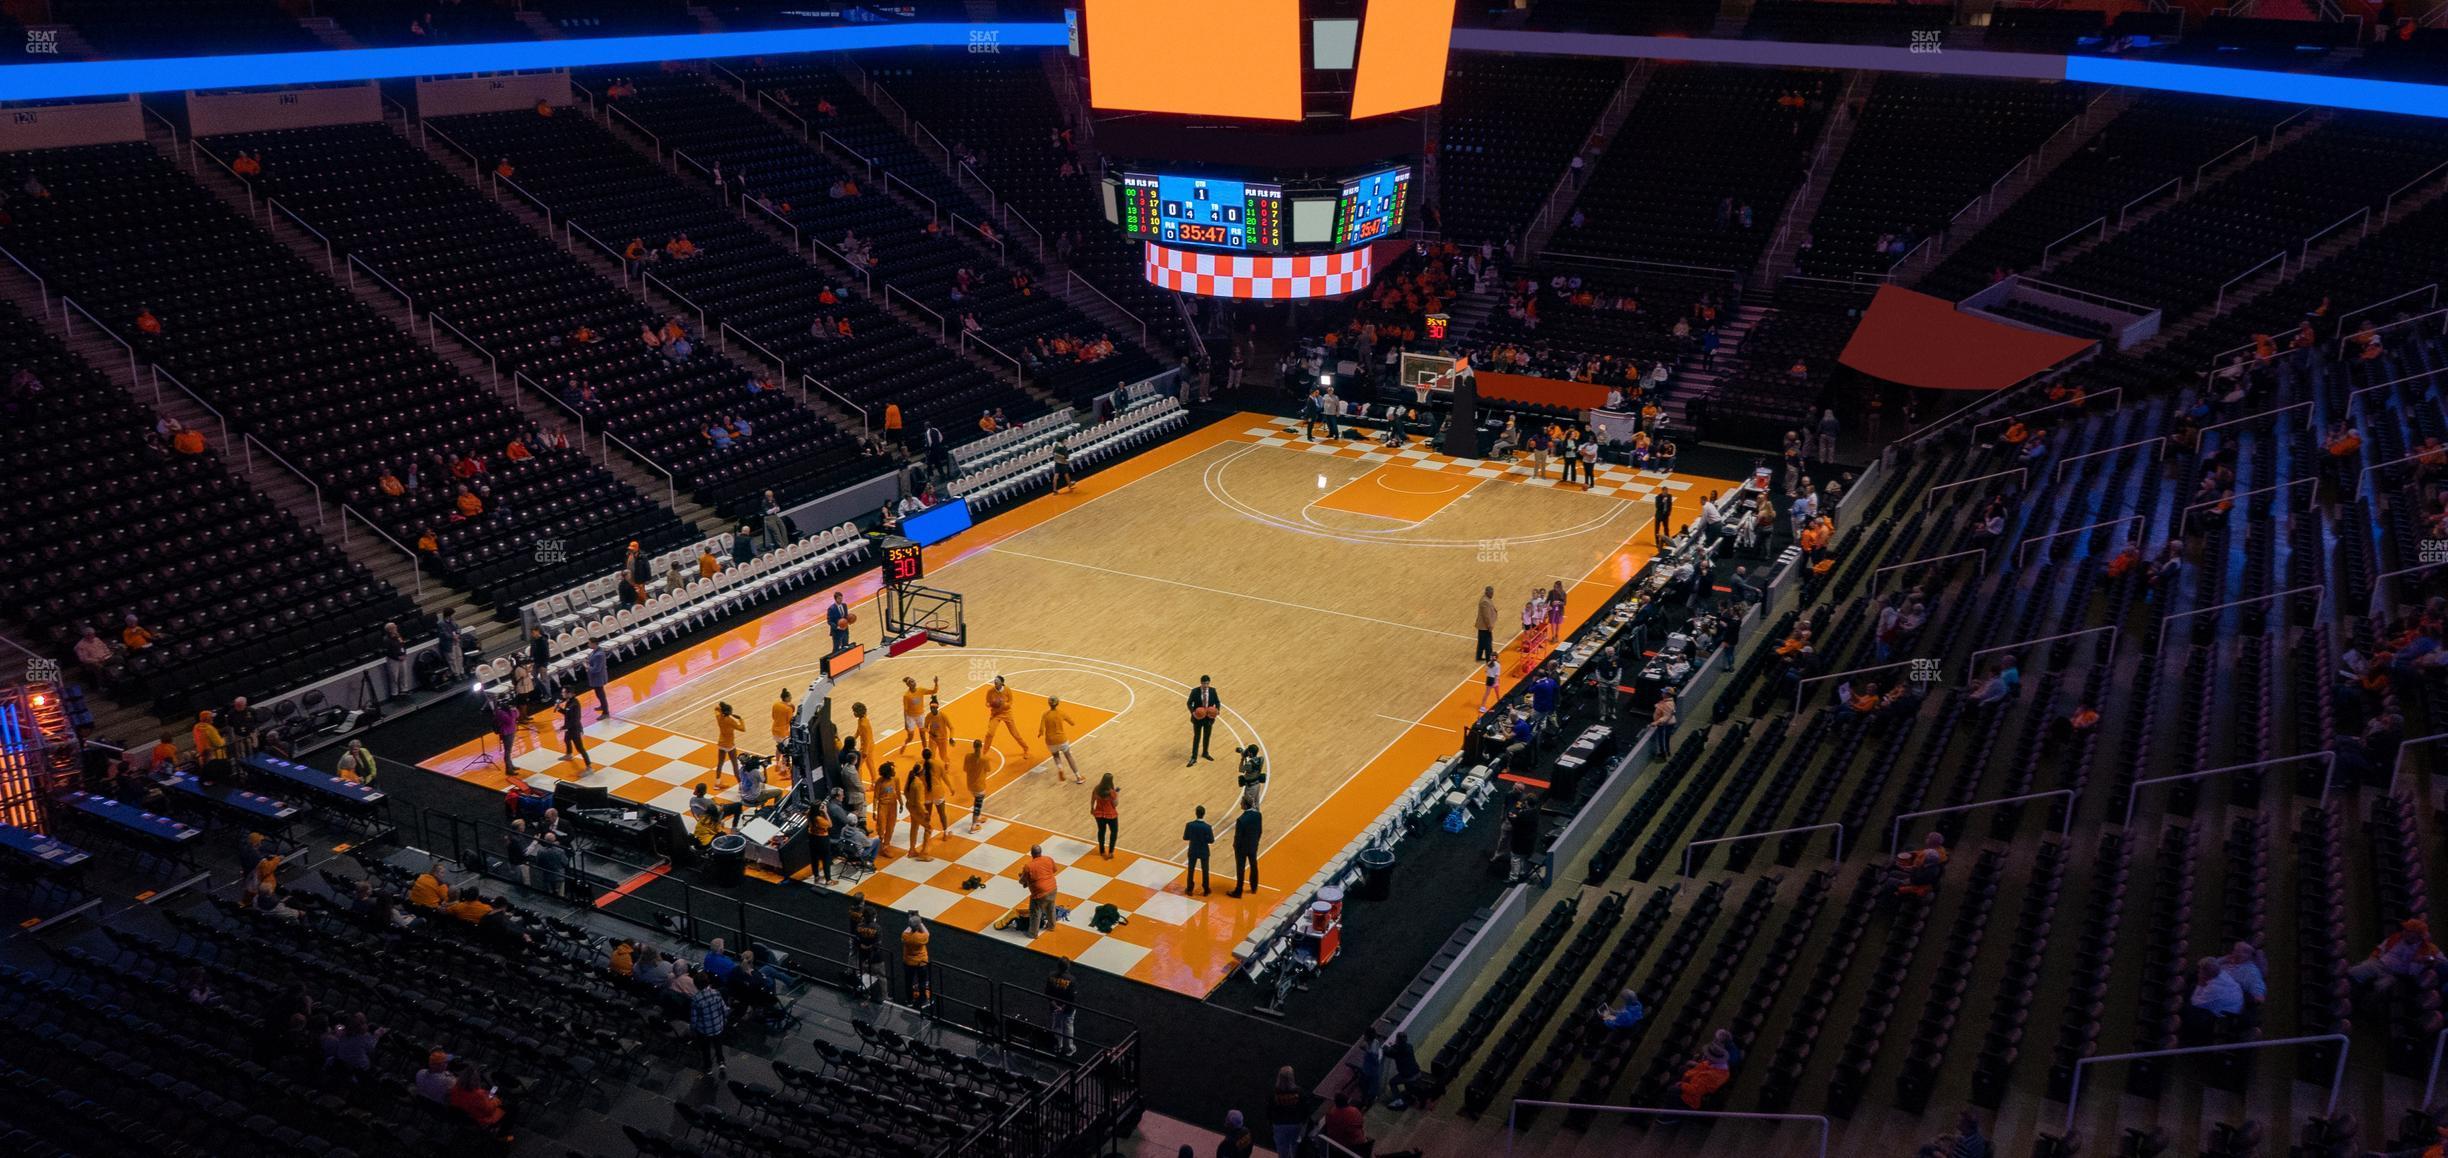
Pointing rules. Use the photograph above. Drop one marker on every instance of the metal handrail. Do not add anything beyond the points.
(2336, 1081)
(1895, 831)
(934, 211)
(1972, 662)
(2176, 183)
(2081, 295)
(436, 319)
(2023, 474)
(2079, 230)
(2379, 330)
(42, 289)
(2364, 213)
(1511, 1115)
(670, 483)
(993, 202)
(822, 137)
(530, 196)
(798, 245)
(1074, 279)
(356, 263)
(1806, 681)
(427, 126)
(572, 227)
(578, 418)
(2248, 143)
(2161, 439)
(866, 274)
(1839, 854)
(68, 303)
(942, 325)
(1009, 213)
(249, 442)
(195, 146)
(2356, 397)
(2375, 307)
(416, 563)
(781, 369)
(678, 157)
(1019, 373)
(2280, 257)
(2184, 517)
(766, 97)
(614, 110)
(1552, 255)
(2389, 206)
(158, 374)
(2133, 792)
(736, 78)
(836, 395)
(1983, 552)
(647, 279)
(2144, 519)
(1002, 255)
(330, 259)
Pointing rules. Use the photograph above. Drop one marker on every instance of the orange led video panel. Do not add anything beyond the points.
(1402, 56)
(1218, 58)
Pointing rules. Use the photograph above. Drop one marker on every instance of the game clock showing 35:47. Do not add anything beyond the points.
(904, 562)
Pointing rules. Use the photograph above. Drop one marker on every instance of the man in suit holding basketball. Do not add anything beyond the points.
(839, 617)
(1204, 707)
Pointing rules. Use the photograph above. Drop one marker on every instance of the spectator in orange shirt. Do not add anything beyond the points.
(1037, 872)
(390, 484)
(469, 505)
(146, 322)
(187, 440)
(427, 544)
(504, 169)
(246, 165)
(134, 635)
(517, 451)
(2345, 442)
(707, 563)
(543, 108)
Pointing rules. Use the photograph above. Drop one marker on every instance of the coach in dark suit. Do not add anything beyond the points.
(1248, 828)
(1204, 706)
(1662, 528)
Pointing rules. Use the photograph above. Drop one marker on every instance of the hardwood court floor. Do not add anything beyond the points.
(1328, 588)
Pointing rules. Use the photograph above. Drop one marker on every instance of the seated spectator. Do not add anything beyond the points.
(349, 1046)
(428, 890)
(1346, 1126)
(2216, 997)
(147, 322)
(680, 247)
(1917, 872)
(2001, 684)
(1704, 1076)
(1627, 1012)
(2407, 953)
(2249, 967)
(471, 1095)
(435, 1082)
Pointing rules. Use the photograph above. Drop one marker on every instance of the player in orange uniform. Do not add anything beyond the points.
(913, 711)
(727, 725)
(973, 769)
(999, 711)
(866, 742)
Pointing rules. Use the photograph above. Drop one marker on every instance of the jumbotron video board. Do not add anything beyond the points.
(1372, 207)
(1210, 212)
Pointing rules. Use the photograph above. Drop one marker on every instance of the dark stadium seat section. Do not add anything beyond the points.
(740, 277)
(104, 520)
(329, 385)
(1002, 109)
(522, 300)
(131, 29)
(1700, 141)
(1926, 146)
(1509, 126)
(918, 249)
(405, 23)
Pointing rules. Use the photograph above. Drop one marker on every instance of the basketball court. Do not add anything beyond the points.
(1328, 587)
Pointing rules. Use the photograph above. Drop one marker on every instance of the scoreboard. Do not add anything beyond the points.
(1371, 207)
(1215, 213)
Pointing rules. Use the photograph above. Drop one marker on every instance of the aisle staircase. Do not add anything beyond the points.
(1693, 380)
(1794, 224)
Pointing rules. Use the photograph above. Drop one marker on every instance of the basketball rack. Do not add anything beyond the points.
(912, 611)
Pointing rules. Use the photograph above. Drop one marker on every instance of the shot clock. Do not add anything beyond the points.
(904, 562)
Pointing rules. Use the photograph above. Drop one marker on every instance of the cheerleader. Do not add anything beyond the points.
(1555, 610)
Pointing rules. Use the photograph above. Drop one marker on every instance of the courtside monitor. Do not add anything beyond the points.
(937, 523)
(1372, 207)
